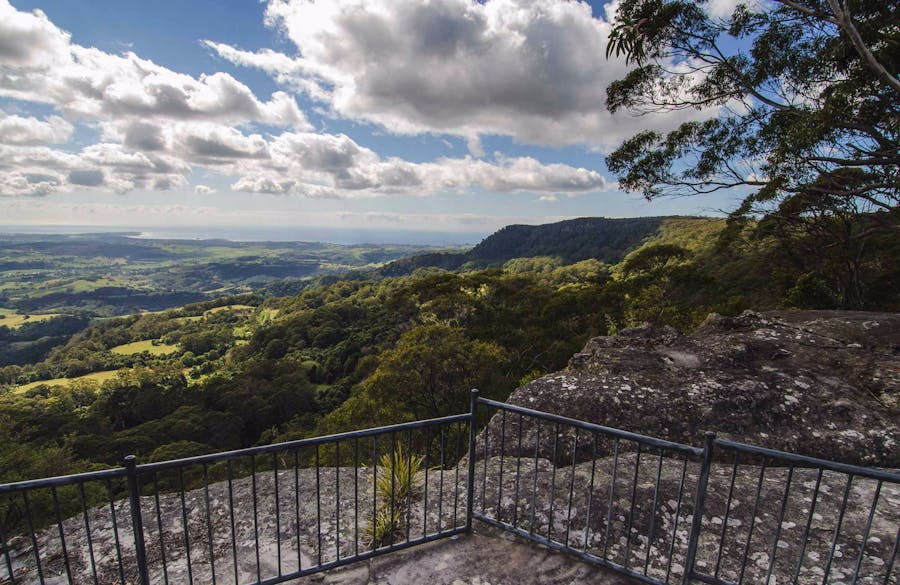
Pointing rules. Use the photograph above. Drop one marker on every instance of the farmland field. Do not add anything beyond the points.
(64, 382)
(142, 346)
(11, 319)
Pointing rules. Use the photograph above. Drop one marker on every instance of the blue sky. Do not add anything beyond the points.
(450, 115)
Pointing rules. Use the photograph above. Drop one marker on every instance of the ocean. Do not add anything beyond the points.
(267, 234)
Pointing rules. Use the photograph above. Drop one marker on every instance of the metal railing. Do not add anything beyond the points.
(262, 515)
(657, 511)
(665, 513)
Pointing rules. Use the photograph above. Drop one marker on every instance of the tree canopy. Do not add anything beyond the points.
(801, 97)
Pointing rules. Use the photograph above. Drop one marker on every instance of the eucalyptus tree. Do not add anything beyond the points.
(799, 100)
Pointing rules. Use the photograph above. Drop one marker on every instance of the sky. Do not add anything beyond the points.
(439, 115)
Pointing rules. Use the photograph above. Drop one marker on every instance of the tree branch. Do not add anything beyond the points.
(845, 22)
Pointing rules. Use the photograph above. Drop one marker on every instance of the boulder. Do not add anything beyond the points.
(818, 383)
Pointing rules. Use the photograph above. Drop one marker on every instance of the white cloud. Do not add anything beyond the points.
(531, 69)
(28, 40)
(39, 170)
(39, 63)
(156, 124)
(26, 130)
(322, 165)
(203, 190)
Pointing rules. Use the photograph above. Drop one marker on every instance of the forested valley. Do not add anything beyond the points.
(403, 341)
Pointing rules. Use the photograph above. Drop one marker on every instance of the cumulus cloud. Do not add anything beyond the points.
(470, 68)
(322, 165)
(28, 39)
(531, 69)
(39, 170)
(39, 63)
(154, 122)
(203, 190)
(26, 130)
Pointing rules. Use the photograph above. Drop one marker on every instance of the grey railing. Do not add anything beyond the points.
(657, 511)
(665, 513)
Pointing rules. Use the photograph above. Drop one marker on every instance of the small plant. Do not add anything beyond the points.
(397, 483)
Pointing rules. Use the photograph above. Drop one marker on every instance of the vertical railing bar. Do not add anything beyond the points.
(440, 526)
(590, 499)
(184, 523)
(8, 555)
(62, 534)
(115, 523)
(762, 473)
(612, 493)
(571, 487)
(425, 500)
(356, 496)
(137, 520)
(630, 525)
(890, 566)
(87, 531)
(518, 472)
(837, 528)
(337, 499)
(677, 517)
(484, 471)
(34, 542)
(456, 455)
(374, 542)
(318, 508)
(409, 482)
(534, 478)
(255, 516)
(865, 540)
(709, 440)
(393, 472)
(470, 480)
(809, 519)
(159, 524)
(502, 457)
(297, 509)
(553, 480)
(653, 513)
(784, 504)
(209, 529)
(277, 513)
(230, 468)
(734, 468)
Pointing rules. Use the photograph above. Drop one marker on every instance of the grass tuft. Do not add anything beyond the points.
(398, 481)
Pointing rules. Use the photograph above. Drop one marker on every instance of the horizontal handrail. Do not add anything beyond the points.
(62, 480)
(646, 440)
(299, 443)
(870, 472)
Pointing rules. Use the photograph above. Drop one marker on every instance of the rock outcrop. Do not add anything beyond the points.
(819, 383)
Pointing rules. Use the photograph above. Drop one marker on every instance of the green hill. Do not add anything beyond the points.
(604, 239)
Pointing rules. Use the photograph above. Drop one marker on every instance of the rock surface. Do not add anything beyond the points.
(818, 383)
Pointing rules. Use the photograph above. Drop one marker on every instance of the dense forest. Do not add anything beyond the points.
(364, 349)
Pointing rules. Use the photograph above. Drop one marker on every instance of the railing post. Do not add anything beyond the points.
(470, 480)
(137, 522)
(699, 501)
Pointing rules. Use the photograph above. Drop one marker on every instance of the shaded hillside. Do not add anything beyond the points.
(604, 239)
